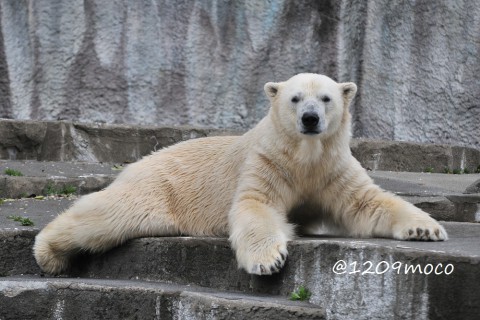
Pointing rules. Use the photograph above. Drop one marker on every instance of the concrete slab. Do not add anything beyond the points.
(474, 187)
(413, 157)
(94, 142)
(40, 212)
(361, 278)
(401, 183)
(41, 298)
(39, 176)
(423, 184)
(426, 190)
(53, 169)
(439, 194)
(70, 141)
(210, 262)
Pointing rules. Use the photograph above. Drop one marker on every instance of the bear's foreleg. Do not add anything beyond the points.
(259, 235)
(373, 212)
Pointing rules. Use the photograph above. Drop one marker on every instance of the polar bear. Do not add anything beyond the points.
(290, 173)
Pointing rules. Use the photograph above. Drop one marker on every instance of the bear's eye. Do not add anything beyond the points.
(295, 99)
(325, 99)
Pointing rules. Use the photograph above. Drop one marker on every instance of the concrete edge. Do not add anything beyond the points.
(415, 290)
(67, 297)
(68, 141)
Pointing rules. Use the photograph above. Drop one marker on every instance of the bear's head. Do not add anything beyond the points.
(310, 105)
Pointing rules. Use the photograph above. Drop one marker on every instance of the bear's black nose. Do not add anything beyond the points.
(310, 119)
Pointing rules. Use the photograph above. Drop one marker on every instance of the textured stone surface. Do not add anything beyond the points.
(34, 298)
(45, 178)
(417, 65)
(210, 262)
(474, 187)
(413, 157)
(70, 141)
(467, 207)
(159, 62)
(205, 62)
(421, 189)
(67, 141)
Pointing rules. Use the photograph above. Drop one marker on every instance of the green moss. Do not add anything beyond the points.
(12, 172)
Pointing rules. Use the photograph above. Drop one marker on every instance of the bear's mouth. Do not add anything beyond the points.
(310, 132)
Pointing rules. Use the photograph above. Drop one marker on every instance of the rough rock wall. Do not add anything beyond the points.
(417, 63)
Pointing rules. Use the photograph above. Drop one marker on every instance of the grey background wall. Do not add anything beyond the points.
(204, 63)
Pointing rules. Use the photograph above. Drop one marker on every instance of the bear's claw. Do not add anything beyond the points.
(271, 267)
(429, 230)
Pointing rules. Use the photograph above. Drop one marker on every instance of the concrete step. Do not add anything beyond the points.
(414, 157)
(438, 194)
(360, 278)
(43, 178)
(54, 298)
(89, 142)
(70, 141)
(441, 195)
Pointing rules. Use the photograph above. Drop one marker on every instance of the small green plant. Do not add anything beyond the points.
(12, 172)
(301, 294)
(466, 171)
(478, 169)
(457, 171)
(1, 201)
(428, 169)
(23, 221)
(447, 170)
(50, 190)
(67, 190)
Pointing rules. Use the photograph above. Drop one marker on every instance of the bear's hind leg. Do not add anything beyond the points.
(94, 224)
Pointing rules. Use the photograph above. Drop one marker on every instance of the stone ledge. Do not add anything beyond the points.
(70, 141)
(467, 207)
(210, 262)
(427, 191)
(40, 298)
(413, 157)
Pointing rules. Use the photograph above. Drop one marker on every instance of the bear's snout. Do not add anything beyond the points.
(310, 120)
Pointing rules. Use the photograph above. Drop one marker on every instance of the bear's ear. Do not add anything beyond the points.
(348, 90)
(271, 89)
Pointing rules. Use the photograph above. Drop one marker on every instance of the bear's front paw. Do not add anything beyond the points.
(263, 260)
(420, 230)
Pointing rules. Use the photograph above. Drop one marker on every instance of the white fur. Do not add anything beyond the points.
(247, 187)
